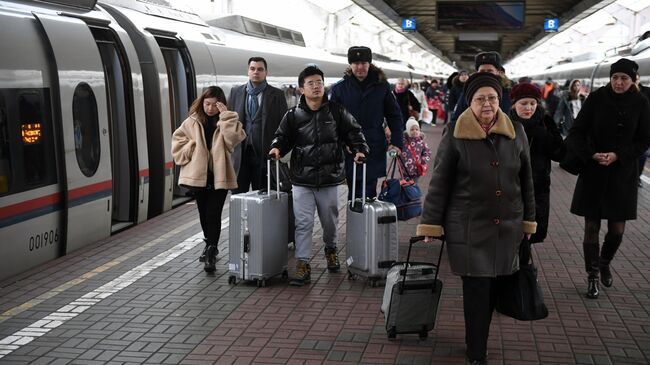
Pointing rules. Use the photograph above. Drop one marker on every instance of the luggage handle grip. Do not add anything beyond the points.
(277, 177)
(247, 242)
(354, 186)
(413, 240)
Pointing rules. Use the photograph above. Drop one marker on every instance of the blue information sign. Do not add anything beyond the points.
(408, 24)
(551, 24)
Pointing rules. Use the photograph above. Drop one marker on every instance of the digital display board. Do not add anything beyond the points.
(31, 133)
(479, 15)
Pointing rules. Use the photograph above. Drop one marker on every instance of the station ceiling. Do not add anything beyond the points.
(457, 42)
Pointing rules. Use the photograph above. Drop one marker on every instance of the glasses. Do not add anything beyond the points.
(492, 99)
(314, 83)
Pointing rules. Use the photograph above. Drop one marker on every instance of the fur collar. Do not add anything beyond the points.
(375, 74)
(467, 126)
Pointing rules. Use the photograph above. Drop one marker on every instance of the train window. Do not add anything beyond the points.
(86, 129)
(27, 159)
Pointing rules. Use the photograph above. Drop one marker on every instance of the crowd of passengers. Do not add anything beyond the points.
(495, 156)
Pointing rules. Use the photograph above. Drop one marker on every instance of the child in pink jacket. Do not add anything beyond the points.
(416, 153)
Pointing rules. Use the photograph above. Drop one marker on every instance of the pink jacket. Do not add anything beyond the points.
(422, 154)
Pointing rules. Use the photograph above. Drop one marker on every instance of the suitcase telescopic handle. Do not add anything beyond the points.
(354, 184)
(277, 177)
(416, 239)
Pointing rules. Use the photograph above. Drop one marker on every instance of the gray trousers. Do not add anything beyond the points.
(305, 202)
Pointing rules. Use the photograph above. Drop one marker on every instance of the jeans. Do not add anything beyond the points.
(305, 202)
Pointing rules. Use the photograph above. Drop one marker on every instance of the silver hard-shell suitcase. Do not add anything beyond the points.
(258, 234)
(371, 231)
(412, 295)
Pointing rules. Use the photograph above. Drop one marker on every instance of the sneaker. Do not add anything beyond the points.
(332, 260)
(303, 274)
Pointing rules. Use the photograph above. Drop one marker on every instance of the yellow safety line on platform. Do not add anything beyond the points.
(69, 284)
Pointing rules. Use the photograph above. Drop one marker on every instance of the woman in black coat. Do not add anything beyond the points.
(610, 133)
(545, 144)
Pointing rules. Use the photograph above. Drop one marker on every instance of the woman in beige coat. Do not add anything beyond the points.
(202, 146)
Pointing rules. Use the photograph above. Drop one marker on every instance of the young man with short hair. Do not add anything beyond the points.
(316, 131)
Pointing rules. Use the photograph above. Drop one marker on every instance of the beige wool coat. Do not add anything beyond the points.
(190, 151)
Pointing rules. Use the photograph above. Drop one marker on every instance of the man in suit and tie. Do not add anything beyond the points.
(261, 108)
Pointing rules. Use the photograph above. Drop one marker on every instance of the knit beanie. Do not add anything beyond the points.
(525, 90)
(625, 66)
(410, 123)
(478, 80)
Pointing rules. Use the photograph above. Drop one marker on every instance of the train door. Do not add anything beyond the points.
(121, 128)
(182, 90)
(80, 93)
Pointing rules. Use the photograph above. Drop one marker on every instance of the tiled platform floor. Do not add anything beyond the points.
(147, 300)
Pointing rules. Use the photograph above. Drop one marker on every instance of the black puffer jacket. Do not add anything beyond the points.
(317, 139)
(545, 144)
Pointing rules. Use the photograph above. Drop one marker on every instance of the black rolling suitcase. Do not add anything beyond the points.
(412, 295)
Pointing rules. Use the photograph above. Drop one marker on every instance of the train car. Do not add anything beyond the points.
(594, 73)
(90, 93)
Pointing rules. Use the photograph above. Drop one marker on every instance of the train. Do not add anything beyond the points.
(90, 94)
(594, 73)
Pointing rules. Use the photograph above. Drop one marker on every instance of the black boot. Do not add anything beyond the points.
(591, 266)
(205, 251)
(211, 259)
(607, 252)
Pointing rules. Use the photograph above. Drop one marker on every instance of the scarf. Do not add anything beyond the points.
(252, 103)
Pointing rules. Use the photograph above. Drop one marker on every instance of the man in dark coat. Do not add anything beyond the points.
(260, 107)
(487, 62)
(366, 94)
(610, 133)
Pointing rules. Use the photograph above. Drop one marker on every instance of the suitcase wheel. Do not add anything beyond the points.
(374, 283)
(285, 275)
(232, 279)
(352, 276)
(261, 283)
(392, 332)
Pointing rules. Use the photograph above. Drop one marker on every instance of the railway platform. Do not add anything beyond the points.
(141, 297)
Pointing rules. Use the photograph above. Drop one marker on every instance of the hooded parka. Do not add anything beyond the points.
(610, 122)
(481, 192)
(190, 151)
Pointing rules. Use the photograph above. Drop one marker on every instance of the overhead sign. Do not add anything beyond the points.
(551, 24)
(408, 24)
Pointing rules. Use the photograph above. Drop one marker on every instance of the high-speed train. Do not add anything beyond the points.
(594, 73)
(90, 93)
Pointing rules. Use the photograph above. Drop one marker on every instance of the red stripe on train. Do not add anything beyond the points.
(144, 172)
(169, 165)
(89, 189)
(29, 205)
(52, 199)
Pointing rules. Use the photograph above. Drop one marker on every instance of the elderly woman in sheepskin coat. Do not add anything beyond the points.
(481, 198)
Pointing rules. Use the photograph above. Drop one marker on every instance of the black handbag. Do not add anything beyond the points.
(572, 163)
(519, 295)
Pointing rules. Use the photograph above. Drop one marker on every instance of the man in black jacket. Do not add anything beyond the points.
(316, 130)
